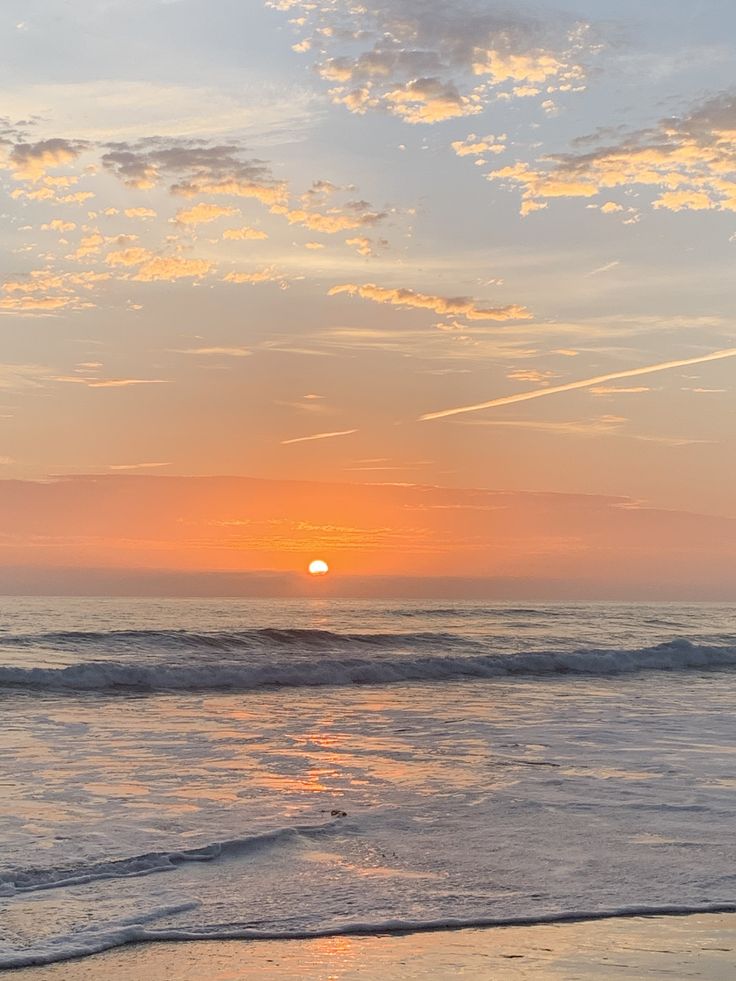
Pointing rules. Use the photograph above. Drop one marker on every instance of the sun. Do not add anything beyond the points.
(318, 568)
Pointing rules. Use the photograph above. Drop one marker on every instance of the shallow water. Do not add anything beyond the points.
(170, 768)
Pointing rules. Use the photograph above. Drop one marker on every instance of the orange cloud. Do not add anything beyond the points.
(170, 268)
(30, 161)
(460, 306)
(267, 275)
(202, 213)
(332, 221)
(476, 146)
(59, 225)
(427, 62)
(134, 256)
(689, 162)
(139, 213)
(243, 234)
(109, 382)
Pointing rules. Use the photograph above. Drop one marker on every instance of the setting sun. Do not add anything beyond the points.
(318, 568)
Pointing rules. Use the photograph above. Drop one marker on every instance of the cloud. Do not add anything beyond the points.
(706, 391)
(606, 268)
(267, 275)
(195, 167)
(202, 213)
(613, 390)
(584, 383)
(170, 268)
(530, 375)
(31, 161)
(460, 306)
(307, 439)
(602, 426)
(89, 245)
(109, 382)
(136, 255)
(27, 304)
(14, 377)
(688, 162)
(119, 108)
(477, 146)
(243, 234)
(366, 246)
(139, 213)
(334, 219)
(137, 466)
(227, 352)
(59, 225)
(46, 290)
(431, 61)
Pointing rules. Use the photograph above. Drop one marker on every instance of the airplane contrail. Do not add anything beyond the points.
(305, 439)
(539, 393)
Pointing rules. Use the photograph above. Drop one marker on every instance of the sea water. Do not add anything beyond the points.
(177, 769)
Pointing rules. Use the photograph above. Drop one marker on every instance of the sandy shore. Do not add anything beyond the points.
(660, 947)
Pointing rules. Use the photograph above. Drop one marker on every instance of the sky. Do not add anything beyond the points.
(439, 293)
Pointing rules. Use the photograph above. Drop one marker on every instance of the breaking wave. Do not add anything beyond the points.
(251, 660)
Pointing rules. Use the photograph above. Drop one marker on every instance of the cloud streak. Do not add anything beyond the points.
(306, 439)
(583, 383)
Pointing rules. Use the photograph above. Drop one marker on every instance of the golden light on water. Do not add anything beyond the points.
(318, 568)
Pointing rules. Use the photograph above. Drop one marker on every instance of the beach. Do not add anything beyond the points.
(637, 948)
(223, 776)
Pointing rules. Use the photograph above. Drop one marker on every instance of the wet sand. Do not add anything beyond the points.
(702, 946)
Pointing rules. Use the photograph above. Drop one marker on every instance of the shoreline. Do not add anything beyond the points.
(701, 944)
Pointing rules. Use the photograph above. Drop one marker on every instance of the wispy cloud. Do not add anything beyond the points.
(306, 439)
(137, 466)
(225, 352)
(110, 382)
(583, 383)
(605, 268)
(602, 426)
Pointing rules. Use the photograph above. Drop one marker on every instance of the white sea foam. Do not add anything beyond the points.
(99, 938)
(35, 880)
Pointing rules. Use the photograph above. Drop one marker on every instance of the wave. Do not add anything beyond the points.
(332, 667)
(268, 638)
(98, 938)
(19, 881)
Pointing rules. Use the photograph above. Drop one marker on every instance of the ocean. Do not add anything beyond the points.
(181, 769)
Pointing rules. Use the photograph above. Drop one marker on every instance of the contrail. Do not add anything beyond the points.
(539, 393)
(305, 439)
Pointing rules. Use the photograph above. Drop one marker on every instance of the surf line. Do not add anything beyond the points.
(136, 933)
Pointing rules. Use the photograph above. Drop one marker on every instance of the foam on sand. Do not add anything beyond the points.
(96, 939)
